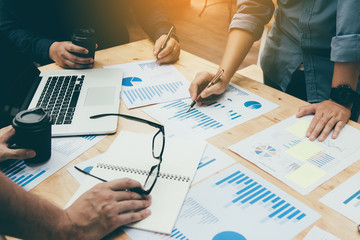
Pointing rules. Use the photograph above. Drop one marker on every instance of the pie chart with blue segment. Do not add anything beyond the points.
(229, 235)
(265, 151)
(128, 81)
(252, 104)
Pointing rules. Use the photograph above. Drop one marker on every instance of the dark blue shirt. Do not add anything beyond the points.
(33, 25)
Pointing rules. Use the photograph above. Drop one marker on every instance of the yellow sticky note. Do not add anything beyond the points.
(306, 175)
(304, 150)
(299, 128)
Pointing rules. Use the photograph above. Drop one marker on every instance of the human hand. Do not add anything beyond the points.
(5, 152)
(201, 80)
(328, 115)
(106, 207)
(62, 53)
(170, 53)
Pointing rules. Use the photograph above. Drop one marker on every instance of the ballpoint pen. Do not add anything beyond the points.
(166, 40)
(213, 81)
(136, 189)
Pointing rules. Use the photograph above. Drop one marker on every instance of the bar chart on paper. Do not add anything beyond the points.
(345, 199)
(214, 209)
(232, 108)
(283, 151)
(213, 160)
(147, 82)
(62, 152)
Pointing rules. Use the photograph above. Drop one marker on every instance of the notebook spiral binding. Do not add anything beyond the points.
(142, 172)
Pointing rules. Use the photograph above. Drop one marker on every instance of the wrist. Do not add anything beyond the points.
(66, 229)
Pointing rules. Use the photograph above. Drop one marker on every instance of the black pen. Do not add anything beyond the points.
(168, 36)
(136, 190)
(213, 81)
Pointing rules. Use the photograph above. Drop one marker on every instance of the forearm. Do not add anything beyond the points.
(346, 73)
(238, 45)
(25, 215)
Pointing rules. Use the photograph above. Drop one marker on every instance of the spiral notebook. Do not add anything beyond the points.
(130, 156)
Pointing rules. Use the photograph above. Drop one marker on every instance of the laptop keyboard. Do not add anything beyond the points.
(59, 97)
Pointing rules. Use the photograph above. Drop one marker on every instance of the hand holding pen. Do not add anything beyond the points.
(212, 82)
(167, 48)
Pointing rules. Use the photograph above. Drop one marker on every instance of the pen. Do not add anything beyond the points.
(136, 190)
(213, 81)
(166, 40)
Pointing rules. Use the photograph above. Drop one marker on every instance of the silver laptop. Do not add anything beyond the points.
(72, 96)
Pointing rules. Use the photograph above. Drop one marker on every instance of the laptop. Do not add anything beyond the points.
(69, 96)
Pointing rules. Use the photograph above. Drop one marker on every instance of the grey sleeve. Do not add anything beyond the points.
(345, 46)
(252, 15)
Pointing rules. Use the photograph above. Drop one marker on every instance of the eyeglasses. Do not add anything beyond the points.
(158, 145)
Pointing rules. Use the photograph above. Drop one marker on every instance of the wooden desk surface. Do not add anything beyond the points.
(59, 187)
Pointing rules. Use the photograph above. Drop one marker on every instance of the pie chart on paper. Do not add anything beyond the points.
(265, 151)
(128, 81)
(252, 104)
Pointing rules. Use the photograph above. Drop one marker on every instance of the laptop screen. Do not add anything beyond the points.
(18, 76)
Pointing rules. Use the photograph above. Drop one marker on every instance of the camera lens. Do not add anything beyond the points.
(33, 131)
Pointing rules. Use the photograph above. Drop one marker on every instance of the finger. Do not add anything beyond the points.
(319, 127)
(131, 217)
(312, 125)
(171, 58)
(328, 127)
(18, 154)
(193, 90)
(123, 184)
(129, 195)
(158, 44)
(199, 83)
(70, 47)
(78, 60)
(132, 205)
(170, 52)
(339, 125)
(306, 110)
(70, 64)
(6, 133)
(216, 89)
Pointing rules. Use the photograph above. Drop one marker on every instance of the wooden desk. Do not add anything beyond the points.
(59, 187)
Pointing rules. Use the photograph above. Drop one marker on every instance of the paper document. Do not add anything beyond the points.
(130, 156)
(345, 199)
(284, 152)
(319, 234)
(87, 166)
(232, 108)
(147, 82)
(212, 161)
(63, 151)
(237, 204)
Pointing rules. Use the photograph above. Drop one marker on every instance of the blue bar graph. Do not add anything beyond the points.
(19, 173)
(202, 164)
(251, 192)
(357, 194)
(148, 93)
(176, 234)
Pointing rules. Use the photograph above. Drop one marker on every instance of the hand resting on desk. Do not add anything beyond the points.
(95, 214)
